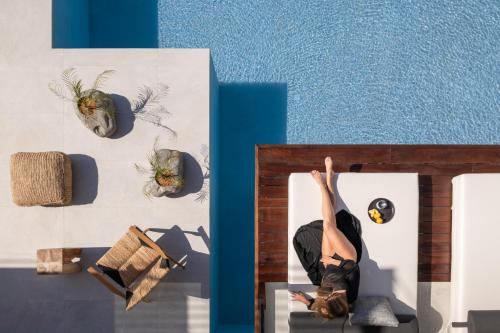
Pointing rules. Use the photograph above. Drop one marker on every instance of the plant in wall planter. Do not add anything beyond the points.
(94, 108)
(166, 172)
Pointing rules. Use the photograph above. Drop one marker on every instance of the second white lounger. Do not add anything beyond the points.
(475, 270)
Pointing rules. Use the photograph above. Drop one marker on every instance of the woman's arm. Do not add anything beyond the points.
(299, 296)
(330, 261)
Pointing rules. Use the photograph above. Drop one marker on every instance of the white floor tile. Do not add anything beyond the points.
(28, 132)
(24, 230)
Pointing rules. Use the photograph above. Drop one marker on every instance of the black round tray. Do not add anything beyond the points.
(387, 212)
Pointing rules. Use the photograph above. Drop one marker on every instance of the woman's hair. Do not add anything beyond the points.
(330, 304)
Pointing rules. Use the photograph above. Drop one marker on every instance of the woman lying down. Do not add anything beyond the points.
(329, 251)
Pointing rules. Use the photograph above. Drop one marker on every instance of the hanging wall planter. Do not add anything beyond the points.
(166, 172)
(96, 111)
(94, 108)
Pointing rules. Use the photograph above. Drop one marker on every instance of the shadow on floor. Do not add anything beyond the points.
(85, 179)
(79, 303)
(248, 114)
(55, 303)
(383, 280)
(125, 118)
(433, 319)
(193, 176)
(176, 243)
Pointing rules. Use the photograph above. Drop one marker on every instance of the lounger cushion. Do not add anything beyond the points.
(40, 178)
(484, 321)
(306, 322)
(374, 311)
(475, 272)
(389, 264)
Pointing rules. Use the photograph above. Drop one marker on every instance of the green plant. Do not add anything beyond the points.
(158, 173)
(74, 84)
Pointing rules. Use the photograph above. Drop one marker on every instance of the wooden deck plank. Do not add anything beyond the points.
(421, 168)
(435, 201)
(436, 165)
(433, 277)
(434, 227)
(451, 154)
(435, 214)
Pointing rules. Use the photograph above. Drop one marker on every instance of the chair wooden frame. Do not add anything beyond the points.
(149, 242)
(141, 235)
(103, 278)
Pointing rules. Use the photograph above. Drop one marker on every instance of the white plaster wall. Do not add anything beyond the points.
(107, 188)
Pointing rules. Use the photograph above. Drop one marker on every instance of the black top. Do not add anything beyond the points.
(345, 276)
(307, 244)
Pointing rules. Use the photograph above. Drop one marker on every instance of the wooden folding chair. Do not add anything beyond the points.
(133, 267)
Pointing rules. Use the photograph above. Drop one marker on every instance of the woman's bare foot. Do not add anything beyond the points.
(328, 164)
(317, 177)
(329, 177)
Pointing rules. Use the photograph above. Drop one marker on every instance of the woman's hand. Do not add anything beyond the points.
(299, 296)
(329, 261)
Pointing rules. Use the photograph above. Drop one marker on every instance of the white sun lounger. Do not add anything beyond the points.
(389, 261)
(475, 270)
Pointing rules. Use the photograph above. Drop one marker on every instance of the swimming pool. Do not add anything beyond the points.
(316, 72)
(357, 72)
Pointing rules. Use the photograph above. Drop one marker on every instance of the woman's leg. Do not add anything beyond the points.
(329, 180)
(334, 241)
(327, 247)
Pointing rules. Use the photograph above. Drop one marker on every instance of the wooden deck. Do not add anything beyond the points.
(436, 165)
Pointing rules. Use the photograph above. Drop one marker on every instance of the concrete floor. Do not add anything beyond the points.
(107, 190)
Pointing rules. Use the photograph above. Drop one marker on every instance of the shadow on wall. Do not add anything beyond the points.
(248, 114)
(70, 24)
(103, 23)
(132, 24)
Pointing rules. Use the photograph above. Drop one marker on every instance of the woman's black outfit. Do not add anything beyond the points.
(307, 244)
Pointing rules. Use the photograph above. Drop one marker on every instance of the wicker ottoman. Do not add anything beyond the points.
(40, 179)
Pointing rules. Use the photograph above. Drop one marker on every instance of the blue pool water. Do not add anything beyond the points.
(310, 72)
(357, 71)
(248, 114)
